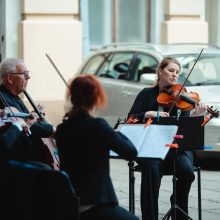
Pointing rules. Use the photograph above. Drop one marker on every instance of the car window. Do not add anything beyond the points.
(144, 63)
(116, 66)
(93, 64)
(205, 72)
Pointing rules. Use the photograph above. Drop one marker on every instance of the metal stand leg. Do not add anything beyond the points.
(174, 207)
(199, 193)
(131, 187)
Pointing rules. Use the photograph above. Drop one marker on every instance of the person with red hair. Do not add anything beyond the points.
(84, 143)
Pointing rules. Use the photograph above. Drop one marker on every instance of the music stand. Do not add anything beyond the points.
(186, 126)
(174, 207)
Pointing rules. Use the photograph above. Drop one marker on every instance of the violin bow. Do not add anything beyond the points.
(177, 97)
(59, 73)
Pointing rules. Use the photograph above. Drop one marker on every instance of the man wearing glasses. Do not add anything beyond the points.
(14, 77)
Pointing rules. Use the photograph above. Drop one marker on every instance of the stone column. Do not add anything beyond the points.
(50, 27)
(184, 22)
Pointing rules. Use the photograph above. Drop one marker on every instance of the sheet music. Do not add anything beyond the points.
(135, 134)
(154, 143)
(150, 141)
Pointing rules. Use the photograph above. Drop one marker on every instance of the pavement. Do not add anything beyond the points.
(210, 190)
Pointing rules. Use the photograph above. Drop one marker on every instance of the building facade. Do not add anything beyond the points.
(68, 30)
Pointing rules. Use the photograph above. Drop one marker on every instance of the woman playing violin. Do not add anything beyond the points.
(146, 106)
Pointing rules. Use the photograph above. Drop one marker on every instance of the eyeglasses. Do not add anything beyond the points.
(25, 73)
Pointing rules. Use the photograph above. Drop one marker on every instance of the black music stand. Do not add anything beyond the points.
(174, 207)
(187, 126)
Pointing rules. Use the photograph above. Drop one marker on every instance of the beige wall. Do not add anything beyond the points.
(184, 22)
(50, 27)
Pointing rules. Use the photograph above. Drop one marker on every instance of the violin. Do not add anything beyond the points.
(177, 95)
(10, 114)
(185, 102)
(13, 112)
(44, 149)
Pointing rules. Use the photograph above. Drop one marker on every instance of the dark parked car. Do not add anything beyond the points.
(125, 69)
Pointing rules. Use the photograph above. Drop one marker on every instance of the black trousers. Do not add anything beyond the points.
(152, 173)
(107, 212)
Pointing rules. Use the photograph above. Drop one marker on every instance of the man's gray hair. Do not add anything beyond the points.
(9, 65)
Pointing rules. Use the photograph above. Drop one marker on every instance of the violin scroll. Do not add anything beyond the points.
(212, 113)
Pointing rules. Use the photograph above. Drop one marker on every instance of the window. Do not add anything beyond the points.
(206, 70)
(116, 66)
(132, 21)
(92, 66)
(100, 22)
(144, 64)
(113, 21)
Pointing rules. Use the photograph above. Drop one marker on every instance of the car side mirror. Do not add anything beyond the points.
(121, 67)
(148, 78)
